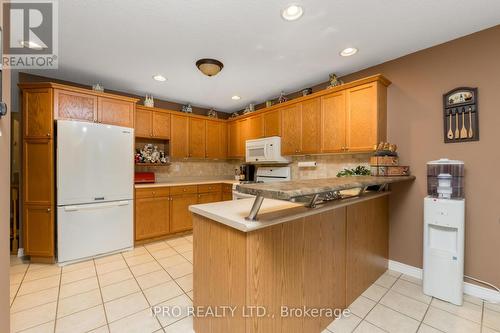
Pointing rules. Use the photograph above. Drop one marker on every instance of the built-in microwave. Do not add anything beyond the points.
(264, 151)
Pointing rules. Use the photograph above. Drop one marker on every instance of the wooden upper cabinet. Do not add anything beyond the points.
(161, 125)
(333, 123)
(115, 112)
(74, 105)
(223, 140)
(233, 135)
(197, 139)
(362, 117)
(291, 120)
(179, 139)
(144, 123)
(311, 126)
(255, 127)
(38, 118)
(216, 142)
(272, 123)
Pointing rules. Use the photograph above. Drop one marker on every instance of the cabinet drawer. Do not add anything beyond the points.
(154, 192)
(227, 188)
(183, 189)
(206, 188)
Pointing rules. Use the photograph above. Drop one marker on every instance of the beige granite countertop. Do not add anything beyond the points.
(187, 181)
(299, 188)
(272, 212)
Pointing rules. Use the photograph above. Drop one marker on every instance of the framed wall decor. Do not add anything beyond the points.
(461, 115)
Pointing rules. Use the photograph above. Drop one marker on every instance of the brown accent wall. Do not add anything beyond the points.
(415, 123)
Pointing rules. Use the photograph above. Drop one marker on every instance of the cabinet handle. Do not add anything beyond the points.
(154, 193)
(48, 135)
(49, 210)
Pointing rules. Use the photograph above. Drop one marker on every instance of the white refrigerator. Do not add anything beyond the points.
(95, 172)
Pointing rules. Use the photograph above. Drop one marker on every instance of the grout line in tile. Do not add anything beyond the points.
(183, 292)
(102, 299)
(57, 300)
(19, 287)
(376, 303)
(425, 314)
(482, 318)
(142, 290)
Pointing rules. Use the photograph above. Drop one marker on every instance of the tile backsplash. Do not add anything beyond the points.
(193, 169)
(327, 167)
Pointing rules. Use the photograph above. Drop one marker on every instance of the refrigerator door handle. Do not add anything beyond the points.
(75, 208)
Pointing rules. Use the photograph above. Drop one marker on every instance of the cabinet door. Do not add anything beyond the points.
(245, 133)
(75, 106)
(143, 123)
(38, 230)
(197, 132)
(311, 126)
(227, 196)
(151, 217)
(291, 129)
(37, 114)
(214, 139)
(115, 112)
(209, 197)
(180, 216)
(161, 125)
(233, 131)
(333, 123)
(38, 171)
(179, 129)
(362, 117)
(256, 127)
(223, 140)
(272, 123)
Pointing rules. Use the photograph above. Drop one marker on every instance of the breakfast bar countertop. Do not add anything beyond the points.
(300, 188)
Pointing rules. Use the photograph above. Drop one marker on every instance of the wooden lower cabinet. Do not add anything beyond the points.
(367, 245)
(227, 192)
(180, 216)
(209, 197)
(152, 216)
(38, 231)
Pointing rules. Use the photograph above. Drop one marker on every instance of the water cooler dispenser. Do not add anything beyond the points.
(444, 229)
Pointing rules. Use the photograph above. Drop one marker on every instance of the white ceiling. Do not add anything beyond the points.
(122, 43)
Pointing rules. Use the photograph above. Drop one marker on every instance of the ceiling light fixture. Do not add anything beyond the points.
(349, 52)
(236, 98)
(292, 12)
(159, 77)
(209, 67)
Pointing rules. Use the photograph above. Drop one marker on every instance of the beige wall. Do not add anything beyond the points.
(4, 205)
(415, 123)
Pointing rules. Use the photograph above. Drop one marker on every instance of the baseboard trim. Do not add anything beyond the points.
(471, 289)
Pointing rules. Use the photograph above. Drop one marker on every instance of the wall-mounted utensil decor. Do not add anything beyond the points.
(461, 115)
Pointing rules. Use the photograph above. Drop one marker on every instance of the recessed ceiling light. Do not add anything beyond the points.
(292, 12)
(30, 44)
(349, 52)
(236, 98)
(159, 77)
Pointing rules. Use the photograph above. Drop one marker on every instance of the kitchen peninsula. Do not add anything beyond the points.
(292, 255)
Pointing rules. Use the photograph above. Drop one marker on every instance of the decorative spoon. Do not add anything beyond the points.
(457, 131)
(471, 133)
(463, 132)
(450, 131)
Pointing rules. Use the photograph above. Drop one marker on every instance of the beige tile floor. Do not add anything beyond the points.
(396, 303)
(115, 294)
(109, 294)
